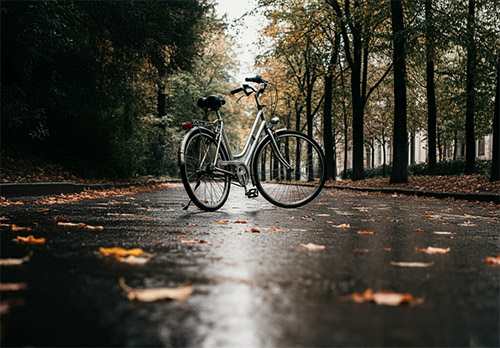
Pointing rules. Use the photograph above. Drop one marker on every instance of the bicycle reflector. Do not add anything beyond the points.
(186, 125)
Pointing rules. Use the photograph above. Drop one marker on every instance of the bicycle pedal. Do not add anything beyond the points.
(252, 193)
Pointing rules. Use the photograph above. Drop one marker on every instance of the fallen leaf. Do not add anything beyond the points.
(121, 252)
(29, 240)
(467, 224)
(419, 230)
(135, 260)
(191, 225)
(71, 224)
(443, 233)
(331, 223)
(412, 264)
(306, 217)
(13, 286)
(312, 246)
(240, 222)
(60, 218)
(19, 203)
(382, 298)
(273, 229)
(493, 260)
(221, 223)
(387, 249)
(433, 250)
(6, 305)
(155, 294)
(43, 210)
(194, 241)
(14, 262)
(365, 232)
(19, 228)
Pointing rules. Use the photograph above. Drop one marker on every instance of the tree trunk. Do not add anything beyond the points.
(430, 88)
(346, 142)
(495, 164)
(358, 172)
(470, 141)
(400, 154)
(327, 132)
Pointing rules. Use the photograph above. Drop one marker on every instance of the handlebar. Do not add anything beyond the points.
(256, 79)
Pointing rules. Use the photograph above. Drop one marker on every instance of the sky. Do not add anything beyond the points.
(245, 32)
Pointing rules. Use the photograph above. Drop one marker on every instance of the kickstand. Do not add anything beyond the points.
(187, 205)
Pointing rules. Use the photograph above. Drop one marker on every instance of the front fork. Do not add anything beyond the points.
(276, 150)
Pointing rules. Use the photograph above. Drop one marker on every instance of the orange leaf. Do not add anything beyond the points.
(418, 230)
(121, 252)
(382, 298)
(493, 260)
(221, 223)
(365, 232)
(29, 240)
(240, 222)
(273, 229)
(19, 228)
(253, 230)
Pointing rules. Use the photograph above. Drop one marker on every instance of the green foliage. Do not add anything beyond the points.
(77, 75)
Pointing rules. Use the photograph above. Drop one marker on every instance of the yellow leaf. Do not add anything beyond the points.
(365, 232)
(155, 294)
(121, 252)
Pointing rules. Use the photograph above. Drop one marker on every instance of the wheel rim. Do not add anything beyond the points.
(207, 186)
(290, 187)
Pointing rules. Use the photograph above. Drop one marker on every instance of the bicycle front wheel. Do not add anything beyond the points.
(301, 182)
(207, 187)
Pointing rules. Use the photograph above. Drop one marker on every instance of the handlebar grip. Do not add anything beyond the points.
(237, 90)
(256, 79)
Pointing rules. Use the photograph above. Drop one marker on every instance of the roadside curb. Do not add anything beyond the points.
(481, 197)
(10, 190)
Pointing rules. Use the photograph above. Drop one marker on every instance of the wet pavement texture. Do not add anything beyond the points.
(254, 289)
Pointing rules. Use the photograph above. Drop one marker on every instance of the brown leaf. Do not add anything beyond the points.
(29, 240)
(240, 222)
(14, 262)
(155, 294)
(253, 230)
(419, 230)
(433, 250)
(13, 286)
(19, 228)
(312, 246)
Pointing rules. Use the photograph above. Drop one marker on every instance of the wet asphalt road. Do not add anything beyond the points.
(255, 289)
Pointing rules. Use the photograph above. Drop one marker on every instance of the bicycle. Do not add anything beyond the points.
(286, 167)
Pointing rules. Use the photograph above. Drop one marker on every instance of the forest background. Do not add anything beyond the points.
(101, 88)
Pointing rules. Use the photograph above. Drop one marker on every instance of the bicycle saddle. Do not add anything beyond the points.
(211, 102)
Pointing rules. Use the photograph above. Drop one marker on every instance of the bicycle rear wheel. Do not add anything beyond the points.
(289, 188)
(207, 187)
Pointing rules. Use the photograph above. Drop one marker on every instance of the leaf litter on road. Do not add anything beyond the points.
(134, 256)
(493, 260)
(412, 264)
(155, 294)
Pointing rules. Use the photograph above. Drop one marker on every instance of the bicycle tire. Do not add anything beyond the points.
(207, 189)
(289, 188)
